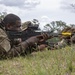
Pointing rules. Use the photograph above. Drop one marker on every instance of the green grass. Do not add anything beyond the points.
(48, 62)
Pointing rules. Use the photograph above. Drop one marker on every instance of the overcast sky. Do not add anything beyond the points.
(43, 10)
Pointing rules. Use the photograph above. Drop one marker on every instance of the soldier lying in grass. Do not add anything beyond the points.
(13, 22)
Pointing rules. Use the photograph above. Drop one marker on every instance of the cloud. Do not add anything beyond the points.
(43, 10)
(68, 5)
(29, 4)
(43, 21)
(12, 2)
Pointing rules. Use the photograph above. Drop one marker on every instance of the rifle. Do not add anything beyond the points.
(32, 31)
(24, 35)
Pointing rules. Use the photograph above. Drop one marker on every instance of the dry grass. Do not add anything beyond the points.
(56, 62)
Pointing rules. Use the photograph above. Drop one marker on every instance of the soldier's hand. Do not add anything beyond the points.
(44, 37)
(42, 47)
(37, 39)
(32, 40)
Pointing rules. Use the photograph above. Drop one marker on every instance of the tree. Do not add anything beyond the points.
(60, 25)
(73, 6)
(55, 26)
(35, 22)
(2, 15)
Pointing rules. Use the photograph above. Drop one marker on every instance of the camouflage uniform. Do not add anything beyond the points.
(67, 40)
(26, 24)
(5, 46)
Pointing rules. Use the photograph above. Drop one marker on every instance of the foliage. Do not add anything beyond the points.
(55, 26)
(73, 6)
(2, 15)
(56, 62)
(72, 25)
(35, 22)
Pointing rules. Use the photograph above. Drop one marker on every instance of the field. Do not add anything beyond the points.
(48, 62)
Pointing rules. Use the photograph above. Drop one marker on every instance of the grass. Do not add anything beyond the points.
(48, 62)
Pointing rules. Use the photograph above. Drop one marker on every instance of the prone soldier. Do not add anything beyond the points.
(68, 38)
(13, 22)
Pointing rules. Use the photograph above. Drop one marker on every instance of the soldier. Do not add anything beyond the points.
(69, 39)
(66, 39)
(13, 22)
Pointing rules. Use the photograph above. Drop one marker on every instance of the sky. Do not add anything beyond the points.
(44, 11)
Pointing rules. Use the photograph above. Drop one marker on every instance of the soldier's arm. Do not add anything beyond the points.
(23, 47)
(5, 46)
(8, 51)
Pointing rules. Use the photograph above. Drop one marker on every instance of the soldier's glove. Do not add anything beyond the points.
(37, 39)
(32, 41)
(42, 47)
(17, 41)
(44, 37)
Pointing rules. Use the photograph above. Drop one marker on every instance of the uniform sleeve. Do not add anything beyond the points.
(4, 41)
(22, 48)
(5, 46)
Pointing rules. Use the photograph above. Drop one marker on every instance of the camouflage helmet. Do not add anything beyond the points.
(26, 24)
